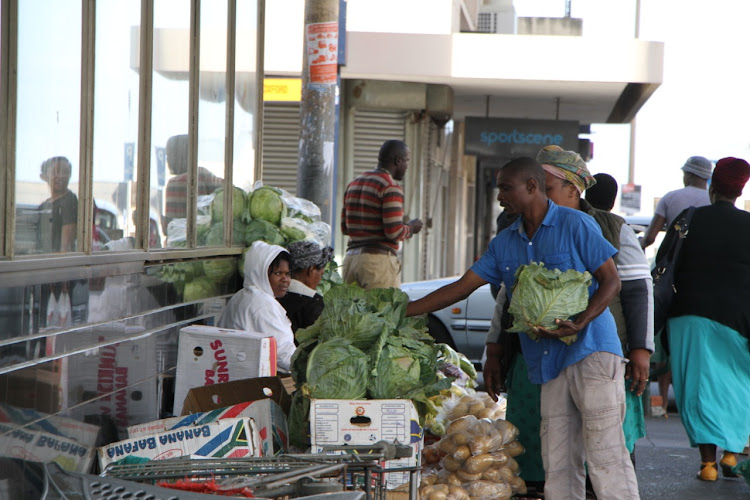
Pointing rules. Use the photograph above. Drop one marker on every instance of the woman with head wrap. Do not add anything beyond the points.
(255, 308)
(302, 303)
(709, 324)
(567, 177)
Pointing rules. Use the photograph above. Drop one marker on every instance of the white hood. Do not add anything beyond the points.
(257, 260)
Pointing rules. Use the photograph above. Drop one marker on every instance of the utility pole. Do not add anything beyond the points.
(317, 145)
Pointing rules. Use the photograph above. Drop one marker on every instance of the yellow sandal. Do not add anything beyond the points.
(728, 460)
(708, 472)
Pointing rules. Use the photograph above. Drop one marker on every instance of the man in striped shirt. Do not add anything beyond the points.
(373, 218)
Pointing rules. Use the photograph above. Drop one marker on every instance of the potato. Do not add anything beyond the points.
(457, 493)
(442, 488)
(475, 407)
(446, 445)
(512, 465)
(478, 463)
(467, 477)
(518, 485)
(453, 480)
(514, 448)
(431, 454)
(461, 453)
(460, 439)
(458, 411)
(461, 425)
(486, 413)
(450, 464)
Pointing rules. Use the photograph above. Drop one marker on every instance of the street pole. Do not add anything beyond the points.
(317, 145)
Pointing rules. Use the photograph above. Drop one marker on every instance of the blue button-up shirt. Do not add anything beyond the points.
(566, 239)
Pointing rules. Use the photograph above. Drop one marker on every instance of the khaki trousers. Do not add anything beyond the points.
(372, 270)
(582, 414)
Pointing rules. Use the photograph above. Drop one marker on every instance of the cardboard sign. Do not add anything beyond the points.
(364, 422)
(208, 355)
(227, 438)
(40, 446)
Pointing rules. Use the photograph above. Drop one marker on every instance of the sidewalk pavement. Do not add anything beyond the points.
(666, 466)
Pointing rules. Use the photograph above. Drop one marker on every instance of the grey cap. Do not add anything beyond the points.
(699, 166)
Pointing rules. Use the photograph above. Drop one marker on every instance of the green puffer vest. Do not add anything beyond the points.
(610, 225)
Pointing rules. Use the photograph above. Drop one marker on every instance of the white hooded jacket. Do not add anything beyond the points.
(255, 309)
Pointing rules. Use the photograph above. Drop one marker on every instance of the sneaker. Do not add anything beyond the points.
(728, 460)
(708, 472)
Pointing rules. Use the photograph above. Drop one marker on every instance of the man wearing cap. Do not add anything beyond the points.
(697, 171)
(302, 303)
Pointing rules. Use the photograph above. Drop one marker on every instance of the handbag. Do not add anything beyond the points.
(664, 272)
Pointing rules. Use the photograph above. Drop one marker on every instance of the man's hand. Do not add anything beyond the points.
(637, 370)
(494, 377)
(566, 329)
(415, 225)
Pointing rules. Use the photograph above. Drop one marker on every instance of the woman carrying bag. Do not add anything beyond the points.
(709, 323)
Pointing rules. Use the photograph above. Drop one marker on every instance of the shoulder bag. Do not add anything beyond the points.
(664, 272)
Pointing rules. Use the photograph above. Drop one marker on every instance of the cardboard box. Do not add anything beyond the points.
(120, 378)
(227, 438)
(84, 433)
(338, 422)
(40, 446)
(269, 418)
(208, 355)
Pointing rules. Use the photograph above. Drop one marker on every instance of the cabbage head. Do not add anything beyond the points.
(541, 295)
(217, 205)
(215, 235)
(337, 370)
(219, 270)
(260, 229)
(199, 288)
(266, 204)
(404, 366)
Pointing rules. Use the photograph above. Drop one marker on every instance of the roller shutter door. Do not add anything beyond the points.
(371, 130)
(280, 144)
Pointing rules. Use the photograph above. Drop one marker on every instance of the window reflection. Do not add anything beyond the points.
(48, 126)
(115, 172)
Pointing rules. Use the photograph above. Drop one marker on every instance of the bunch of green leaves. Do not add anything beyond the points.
(541, 296)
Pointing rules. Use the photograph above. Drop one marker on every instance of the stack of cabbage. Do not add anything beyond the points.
(363, 347)
(267, 213)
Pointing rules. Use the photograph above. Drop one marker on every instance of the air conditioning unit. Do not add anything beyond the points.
(497, 16)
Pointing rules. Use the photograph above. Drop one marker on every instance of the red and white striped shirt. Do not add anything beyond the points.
(373, 212)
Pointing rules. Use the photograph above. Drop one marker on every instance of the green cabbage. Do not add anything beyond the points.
(337, 370)
(219, 270)
(541, 295)
(217, 205)
(295, 229)
(260, 229)
(266, 204)
(200, 288)
(215, 235)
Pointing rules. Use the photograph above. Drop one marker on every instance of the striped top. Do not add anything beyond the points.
(373, 212)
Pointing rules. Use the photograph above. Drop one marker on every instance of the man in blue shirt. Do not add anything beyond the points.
(583, 392)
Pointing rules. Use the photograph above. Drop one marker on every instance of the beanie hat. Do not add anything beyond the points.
(307, 254)
(699, 166)
(602, 195)
(730, 176)
(567, 165)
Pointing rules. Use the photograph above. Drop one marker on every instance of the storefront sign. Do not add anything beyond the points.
(512, 138)
(321, 40)
(282, 89)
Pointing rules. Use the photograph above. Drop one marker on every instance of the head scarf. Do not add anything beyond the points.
(566, 165)
(308, 253)
(730, 176)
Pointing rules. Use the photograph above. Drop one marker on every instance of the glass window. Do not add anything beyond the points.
(212, 110)
(246, 96)
(170, 114)
(116, 128)
(48, 125)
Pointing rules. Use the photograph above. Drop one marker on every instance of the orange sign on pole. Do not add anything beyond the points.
(322, 52)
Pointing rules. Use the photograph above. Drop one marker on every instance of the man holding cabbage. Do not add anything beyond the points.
(577, 358)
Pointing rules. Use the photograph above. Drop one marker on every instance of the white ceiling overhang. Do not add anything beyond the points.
(518, 76)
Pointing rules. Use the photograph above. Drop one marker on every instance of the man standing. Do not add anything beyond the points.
(697, 171)
(373, 218)
(583, 385)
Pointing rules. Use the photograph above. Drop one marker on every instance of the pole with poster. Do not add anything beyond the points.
(317, 145)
